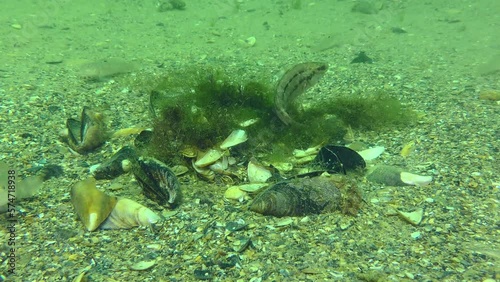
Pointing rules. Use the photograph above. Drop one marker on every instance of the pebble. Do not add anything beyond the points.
(16, 26)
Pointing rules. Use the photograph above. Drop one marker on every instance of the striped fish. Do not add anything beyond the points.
(295, 82)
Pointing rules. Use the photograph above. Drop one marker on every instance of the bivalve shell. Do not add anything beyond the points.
(257, 173)
(208, 158)
(157, 180)
(88, 133)
(298, 197)
(236, 137)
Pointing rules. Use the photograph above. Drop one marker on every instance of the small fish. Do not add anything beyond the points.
(295, 82)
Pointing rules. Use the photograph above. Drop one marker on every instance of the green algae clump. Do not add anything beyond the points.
(371, 113)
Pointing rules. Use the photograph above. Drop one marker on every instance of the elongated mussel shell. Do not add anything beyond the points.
(158, 182)
(128, 214)
(88, 133)
(298, 197)
(121, 162)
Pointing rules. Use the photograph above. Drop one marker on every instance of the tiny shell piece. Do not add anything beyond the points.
(236, 137)
(143, 265)
(414, 218)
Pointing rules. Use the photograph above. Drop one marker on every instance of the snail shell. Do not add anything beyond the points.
(299, 197)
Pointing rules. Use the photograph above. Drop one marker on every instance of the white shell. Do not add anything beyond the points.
(371, 153)
(414, 179)
(128, 214)
(252, 187)
(210, 157)
(257, 173)
(236, 137)
(313, 151)
(221, 165)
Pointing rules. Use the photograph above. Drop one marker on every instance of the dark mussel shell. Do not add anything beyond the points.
(338, 159)
(120, 163)
(298, 197)
(158, 182)
(88, 133)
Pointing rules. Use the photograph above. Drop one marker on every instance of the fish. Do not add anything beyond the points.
(294, 82)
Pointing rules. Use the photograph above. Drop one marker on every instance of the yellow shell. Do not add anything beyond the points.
(91, 205)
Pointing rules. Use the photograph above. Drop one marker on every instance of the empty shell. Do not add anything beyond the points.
(87, 133)
(128, 214)
(158, 182)
(91, 205)
(236, 137)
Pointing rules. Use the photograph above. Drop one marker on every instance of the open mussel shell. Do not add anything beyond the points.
(88, 133)
(338, 159)
(299, 197)
(120, 163)
(158, 182)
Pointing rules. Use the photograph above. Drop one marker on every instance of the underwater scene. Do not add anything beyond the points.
(250, 140)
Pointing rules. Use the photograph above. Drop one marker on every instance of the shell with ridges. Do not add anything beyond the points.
(157, 180)
(298, 197)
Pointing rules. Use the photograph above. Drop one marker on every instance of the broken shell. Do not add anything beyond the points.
(158, 182)
(338, 159)
(91, 205)
(307, 152)
(236, 137)
(395, 176)
(88, 133)
(128, 214)
(371, 153)
(143, 265)
(257, 173)
(208, 158)
(414, 179)
(414, 217)
(300, 197)
(118, 164)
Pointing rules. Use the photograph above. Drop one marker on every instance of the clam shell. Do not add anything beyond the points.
(298, 197)
(128, 214)
(158, 182)
(236, 137)
(208, 158)
(204, 172)
(371, 153)
(257, 173)
(91, 205)
(88, 133)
